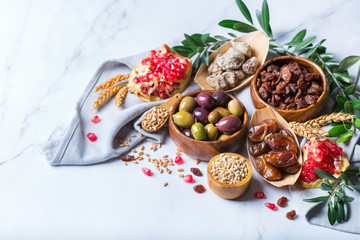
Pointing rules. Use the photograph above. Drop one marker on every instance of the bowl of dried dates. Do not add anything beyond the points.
(294, 86)
(229, 175)
(206, 123)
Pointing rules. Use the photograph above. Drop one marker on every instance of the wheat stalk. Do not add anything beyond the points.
(111, 82)
(105, 95)
(311, 129)
(120, 96)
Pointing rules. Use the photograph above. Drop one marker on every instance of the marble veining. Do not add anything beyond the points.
(49, 51)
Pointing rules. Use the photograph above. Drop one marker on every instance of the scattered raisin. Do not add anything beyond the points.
(291, 215)
(127, 158)
(282, 202)
(196, 172)
(199, 188)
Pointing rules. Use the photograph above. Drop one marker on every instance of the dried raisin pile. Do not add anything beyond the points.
(282, 202)
(290, 87)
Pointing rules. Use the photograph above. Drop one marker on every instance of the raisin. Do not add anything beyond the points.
(196, 172)
(293, 87)
(263, 93)
(272, 68)
(199, 188)
(258, 82)
(282, 202)
(287, 90)
(127, 158)
(291, 215)
(294, 66)
(281, 86)
(289, 100)
(291, 106)
(282, 106)
(298, 94)
(286, 74)
(310, 99)
(300, 103)
(302, 84)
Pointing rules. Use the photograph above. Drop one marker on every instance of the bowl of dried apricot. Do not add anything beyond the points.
(294, 86)
(229, 175)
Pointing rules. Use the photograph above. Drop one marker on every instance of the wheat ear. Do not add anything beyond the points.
(111, 82)
(120, 96)
(105, 95)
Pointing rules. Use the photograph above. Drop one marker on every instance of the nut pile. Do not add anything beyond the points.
(155, 118)
(229, 169)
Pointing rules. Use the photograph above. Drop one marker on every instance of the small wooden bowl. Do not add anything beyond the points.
(299, 115)
(266, 113)
(228, 191)
(205, 150)
(259, 44)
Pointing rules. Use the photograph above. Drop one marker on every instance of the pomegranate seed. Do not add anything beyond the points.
(189, 179)
(152, 52)
(147, 171)
(95, 119)
(260, 195)
(91, 136)
(179, 160)
(271, 206)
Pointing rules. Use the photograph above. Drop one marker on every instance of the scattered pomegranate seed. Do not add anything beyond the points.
(260, 195)
(91, 136)
(147, 171)
(179, 160)
(189, 179)
(95, 119)
(271, 206)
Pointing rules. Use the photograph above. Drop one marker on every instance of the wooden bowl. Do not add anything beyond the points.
(259, 44)
(205, 150)
(228, 191)
(299, 115)
(265, 113)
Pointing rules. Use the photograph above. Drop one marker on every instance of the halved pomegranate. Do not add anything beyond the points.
(325, 155)
(160, 75)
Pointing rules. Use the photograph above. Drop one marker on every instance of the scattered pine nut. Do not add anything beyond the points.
(165, 184)
(180, 170)
(165, 156)
(133, 150)
(140, 158)
(161, 170)
(142, 148)
(181, 175)
(141, 153)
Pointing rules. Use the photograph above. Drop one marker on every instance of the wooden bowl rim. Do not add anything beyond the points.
(226, 185)
(177, 130)
(298, 60)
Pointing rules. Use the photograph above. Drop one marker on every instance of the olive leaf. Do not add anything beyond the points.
(259, 18)
(244, 10)
(347, 63)
(345, 137)
(323, 174)
(314, 49)
(316, 199)
(243, 27)
(228, 23)
(332, 214)
(299, 37)
(342, 77)
(350, 89)
(305, 43)
(348, 107)
(266, 18)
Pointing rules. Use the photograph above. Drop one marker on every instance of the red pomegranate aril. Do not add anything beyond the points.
(260, 195)
(146, 171)
(179, 160)
(271, 206)
(189, 179)
(153, 52)
(163, 95)
(92, 137)
(95, 119)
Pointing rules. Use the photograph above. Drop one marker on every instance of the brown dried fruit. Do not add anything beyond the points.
(282, 202)
(196, 172)
(291, 215)
(199, 188)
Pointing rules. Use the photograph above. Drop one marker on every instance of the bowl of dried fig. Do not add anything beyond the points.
(232, 66)
(294, 86)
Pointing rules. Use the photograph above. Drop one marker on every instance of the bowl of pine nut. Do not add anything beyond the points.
(229, 175)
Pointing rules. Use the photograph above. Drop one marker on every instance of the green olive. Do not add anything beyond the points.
(223, 136)
(198, 131)
(236, 108)
(211, 132)
(183, 119)
(223, 111)
(187, 104)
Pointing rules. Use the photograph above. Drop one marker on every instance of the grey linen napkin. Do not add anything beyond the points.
(72, 147)
(316, 213)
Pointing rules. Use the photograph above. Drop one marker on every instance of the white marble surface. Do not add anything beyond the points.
(49, 51)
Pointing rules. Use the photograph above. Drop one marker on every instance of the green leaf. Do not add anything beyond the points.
(190, 39)
(347, 62)
(333, 124)
(299, 37)
(220, 37)
(259, 18)
(272, 46)
(348, 199)
(204, 38)
(332, 214)
(345, 137)
(244, 27)
(357, 187)
(232, 35)
(197, 61)
(356, 104)
(327, 56)
(340, 209)
(357, 76)
(338, 107)
(316, 199)
(346, 212)
(266, 17)
(332, 64)
(357, 122)
(183, 51)
(350, 89)
(305, 43)
(342, 77)
(338, 130)
(324, 174)
(205, 57)
(349, 107)
(228, 23)
(341, 99)
(313, 50)
(244, 10)
(325, 187)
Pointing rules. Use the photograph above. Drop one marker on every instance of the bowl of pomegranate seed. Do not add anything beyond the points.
(229, 175)
(294, 86)
(205, 123)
